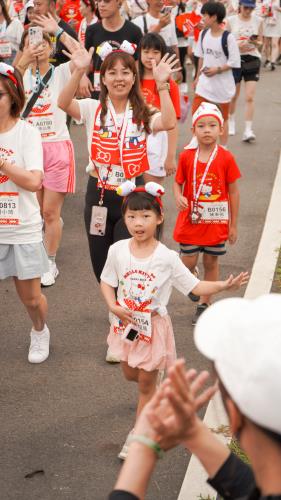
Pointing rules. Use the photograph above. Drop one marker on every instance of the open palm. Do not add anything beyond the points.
(167, 66)
(80, 57)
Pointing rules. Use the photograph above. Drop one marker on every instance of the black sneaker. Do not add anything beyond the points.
(193, 297)
(199, 310)
(272, 67)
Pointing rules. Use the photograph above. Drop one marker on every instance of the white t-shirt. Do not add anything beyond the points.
(245, 29)
(88, 108)
(218, 88)
(83, 27)
(46, 115)
(168, 32)
(11, 33)
(146, 281)
(22, 146)
(157, 149)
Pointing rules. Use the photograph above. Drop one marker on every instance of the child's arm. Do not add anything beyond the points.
(181, 201)
(234, 201)
(110, 298)
(212, 287)
(170, 162)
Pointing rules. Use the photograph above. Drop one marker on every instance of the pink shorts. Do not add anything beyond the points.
(159, 355)
(59, 166)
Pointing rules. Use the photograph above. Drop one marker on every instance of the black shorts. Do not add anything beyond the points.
(249, 71)
(215, 250)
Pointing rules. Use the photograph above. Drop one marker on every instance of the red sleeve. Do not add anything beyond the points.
(232, 171)
(175, 96)
(180, 177)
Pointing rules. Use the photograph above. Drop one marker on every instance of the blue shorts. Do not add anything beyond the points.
(216, 250)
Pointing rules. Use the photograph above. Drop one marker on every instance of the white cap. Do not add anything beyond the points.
(207, 109)
(29, 4)
(243, 339)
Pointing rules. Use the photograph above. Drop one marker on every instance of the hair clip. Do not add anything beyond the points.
(152, 188)
(106, 48)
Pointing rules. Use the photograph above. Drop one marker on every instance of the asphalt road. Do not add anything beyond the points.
(68, 418)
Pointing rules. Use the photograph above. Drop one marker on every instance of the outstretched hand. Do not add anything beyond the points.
(47, 23)
(167, 66)
(233, 283)
(79, 56)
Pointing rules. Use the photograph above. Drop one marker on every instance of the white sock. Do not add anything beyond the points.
(39, 332)
(231, 118)
(248, 126)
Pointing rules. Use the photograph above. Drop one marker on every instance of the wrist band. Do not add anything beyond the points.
(163, 86)
(58, 33)
(149, 443)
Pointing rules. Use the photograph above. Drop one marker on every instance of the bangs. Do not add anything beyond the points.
(110, 61)
(141, 201)
(153, 41)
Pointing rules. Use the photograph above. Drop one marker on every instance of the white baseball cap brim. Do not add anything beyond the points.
(243, 339)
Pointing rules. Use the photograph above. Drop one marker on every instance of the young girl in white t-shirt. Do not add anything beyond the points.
(144, 271)
(22, 254)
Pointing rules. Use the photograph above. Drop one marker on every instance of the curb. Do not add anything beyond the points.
(194, 485)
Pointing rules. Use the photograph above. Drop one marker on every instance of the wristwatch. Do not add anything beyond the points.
(163, 86)
(219, 70)
(58, 33)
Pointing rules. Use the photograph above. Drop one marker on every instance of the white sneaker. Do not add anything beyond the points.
(111, 357)
(231, 128)
(39, 346)
(248, 136)
(124, 452)
(49, 278)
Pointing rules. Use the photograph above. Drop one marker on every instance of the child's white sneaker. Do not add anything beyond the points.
(39, 346)
(231, 127)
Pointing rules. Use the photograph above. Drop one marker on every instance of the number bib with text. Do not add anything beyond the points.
(114, 178)
(9, 209)
(142, 322)
(212, 212)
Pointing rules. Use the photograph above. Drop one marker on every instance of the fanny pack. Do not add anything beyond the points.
(251, 66)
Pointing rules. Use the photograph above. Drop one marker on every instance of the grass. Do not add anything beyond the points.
(276, 285)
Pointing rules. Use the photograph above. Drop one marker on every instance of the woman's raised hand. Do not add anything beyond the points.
(167, 66)
(47, 23)
(79, 56)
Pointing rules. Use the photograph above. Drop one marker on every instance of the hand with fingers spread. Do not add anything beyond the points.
(182, 396)
(47, 23)
(80, 57)
(163, 71)
(233, 283)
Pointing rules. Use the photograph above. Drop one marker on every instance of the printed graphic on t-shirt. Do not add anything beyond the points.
(6, 154)
(9, 201)
(41, 115)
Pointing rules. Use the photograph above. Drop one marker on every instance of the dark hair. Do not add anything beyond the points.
(5, 12)
(151, 41)
(25, 35)
(16, 93)
(214, 9)
(143, 201)
(141, 112)
(90, 3)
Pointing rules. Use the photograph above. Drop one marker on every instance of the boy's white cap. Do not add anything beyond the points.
(243, 339)
(207, 109)
(29, 4)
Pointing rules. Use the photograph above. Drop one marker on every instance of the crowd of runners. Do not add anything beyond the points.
(127, 71)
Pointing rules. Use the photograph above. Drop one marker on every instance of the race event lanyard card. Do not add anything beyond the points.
(142, 322)
(9, 209)
(98, 220)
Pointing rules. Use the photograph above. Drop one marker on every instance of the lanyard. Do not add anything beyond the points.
(39, 80)
(211, 158)
(122, 132)
(103, 182)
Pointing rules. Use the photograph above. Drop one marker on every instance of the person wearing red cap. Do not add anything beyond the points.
(207, 198)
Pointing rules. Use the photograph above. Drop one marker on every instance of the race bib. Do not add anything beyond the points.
(213, 212)
(113, 178)
(44, 123)
(5, 49)
(9, 209)
(142, 322)
(96, 81)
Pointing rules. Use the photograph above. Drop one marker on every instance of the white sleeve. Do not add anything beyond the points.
(183, 280)
(174, 38)
(63, 74)
(138, 21)
(88, 109)
(234, 59)
(109, 273)
(32, 148)
(198, 49)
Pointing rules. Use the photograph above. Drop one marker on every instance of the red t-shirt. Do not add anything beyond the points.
(71, 14)
(152, 97)
(214, 196)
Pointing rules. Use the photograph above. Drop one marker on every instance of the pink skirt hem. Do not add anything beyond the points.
(160, 354)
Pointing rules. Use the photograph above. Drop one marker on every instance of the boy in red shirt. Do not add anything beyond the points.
(207, 196)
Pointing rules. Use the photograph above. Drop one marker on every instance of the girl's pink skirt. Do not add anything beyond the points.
(160, 354)
(59, 166)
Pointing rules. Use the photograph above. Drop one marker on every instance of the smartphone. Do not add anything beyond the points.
(98, 220)
(166, 10)
(130, 334)
(253, 38)
(35, 35)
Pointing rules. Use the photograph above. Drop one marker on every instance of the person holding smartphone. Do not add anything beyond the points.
(247, 28)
